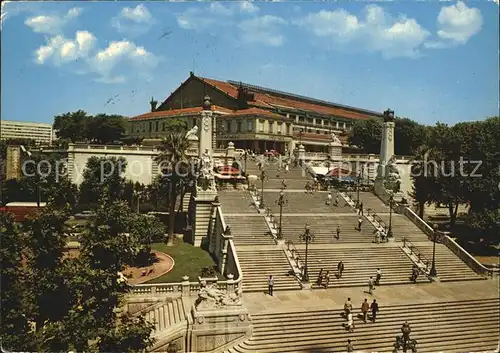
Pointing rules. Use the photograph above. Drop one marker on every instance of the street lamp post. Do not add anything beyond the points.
(262, 178)
(281, 202)
(306, 237)
(357, 188)
(433, 272)
(246, 156)
(389, 231)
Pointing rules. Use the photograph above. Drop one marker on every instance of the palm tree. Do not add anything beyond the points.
(173, 153)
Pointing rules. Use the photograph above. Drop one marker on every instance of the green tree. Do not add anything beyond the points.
(72, 126)
(103, 177)
(105, 129)
(409, 136)
(367, 134)
(172, 160)
(14, 331)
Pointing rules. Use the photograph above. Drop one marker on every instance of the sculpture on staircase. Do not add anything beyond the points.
(210, 297)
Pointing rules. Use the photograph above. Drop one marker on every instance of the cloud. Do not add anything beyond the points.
(134, 21)
(263, 30)
(60, 50)
(51, 24)
(216, 14)
(248, 6)
(458, 23)
(122, 52)
(377, 31)
(118, 55)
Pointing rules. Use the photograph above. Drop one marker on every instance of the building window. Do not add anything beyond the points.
(138, 127)
(343, 125)
(337, 124)
(144, 127)
(238, 126)
(288, 129)
(157, 126)
(301, 119)
(194, 122)
(261, 125)
(249, 125)
(279, 127)
(228, 126)
(288, 115)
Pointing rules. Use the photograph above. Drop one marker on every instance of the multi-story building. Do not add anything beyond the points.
(252, 117)
(42, 133)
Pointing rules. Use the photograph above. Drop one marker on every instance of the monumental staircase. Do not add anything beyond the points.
(460, 326)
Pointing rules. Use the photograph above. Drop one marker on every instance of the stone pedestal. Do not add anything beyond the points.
(302, 153)
(335, 150)
(219, 329)
(386, 147)
(203, 211)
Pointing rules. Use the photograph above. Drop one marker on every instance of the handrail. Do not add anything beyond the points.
(450, 244)
(420, 256)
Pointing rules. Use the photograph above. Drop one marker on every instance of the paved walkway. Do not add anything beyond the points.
(334, 298)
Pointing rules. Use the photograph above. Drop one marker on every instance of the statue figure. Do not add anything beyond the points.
(335, 139)
(192, 132)
(210, 297)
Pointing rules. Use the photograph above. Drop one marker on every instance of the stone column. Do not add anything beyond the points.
(302, 153)
(387, 142)
(185, 286)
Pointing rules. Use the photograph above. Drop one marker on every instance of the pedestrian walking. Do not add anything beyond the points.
(364, 309)
(283, 184)
(329, 199)
(338, 232)
(337, 201)
(286, 168)
(374, 309)
(340, 269)
(378, 277)
(347, 307)
(406, 330)
(350, 322)
(361, 209)
(349, 347)
(377, 236)
(360, 222)
(370, 285)
(270, 285)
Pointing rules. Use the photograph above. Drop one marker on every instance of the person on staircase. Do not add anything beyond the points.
(283, 184)
(350, 322)
(374, 309)
(338, 232)
(270, 285)
(340, 269)
(329, 199)
(414, 274)
(378, 276)
(347, 307)
(377, 236)
(406, 330)
(349, 346)
(286, 168)
(364, 309)
(371, 285)
(360, 212)
(336, 201)
(360, 222)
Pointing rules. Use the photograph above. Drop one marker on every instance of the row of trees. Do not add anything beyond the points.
(461, 165)
(408, 135)
(81, 127)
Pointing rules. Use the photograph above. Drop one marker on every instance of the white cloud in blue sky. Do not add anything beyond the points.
(52, 24)
(133, 21)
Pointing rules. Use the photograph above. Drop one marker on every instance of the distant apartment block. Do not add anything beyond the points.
(42, 133)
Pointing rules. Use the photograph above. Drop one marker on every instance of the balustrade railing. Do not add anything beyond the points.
(414, 251)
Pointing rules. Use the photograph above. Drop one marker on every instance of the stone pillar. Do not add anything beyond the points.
(302, 153)
(215, 228)
(334, 150)
(387, 142)
(185, 286)
(205, 132)
(230, 150)
(230, 284)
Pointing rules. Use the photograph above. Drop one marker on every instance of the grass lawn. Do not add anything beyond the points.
(189, 260)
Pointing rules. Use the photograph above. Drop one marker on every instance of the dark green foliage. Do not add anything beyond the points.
(79, 126)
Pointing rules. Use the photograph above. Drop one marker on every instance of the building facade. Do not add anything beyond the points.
(252, 117)
(40, 132)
